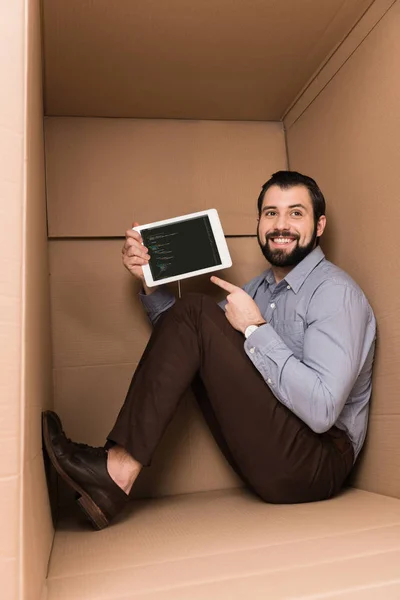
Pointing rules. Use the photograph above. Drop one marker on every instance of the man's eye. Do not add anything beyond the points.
(297, 213)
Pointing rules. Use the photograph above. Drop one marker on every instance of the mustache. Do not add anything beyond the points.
(284, 233)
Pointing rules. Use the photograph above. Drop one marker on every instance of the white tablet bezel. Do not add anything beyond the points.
(220, 241)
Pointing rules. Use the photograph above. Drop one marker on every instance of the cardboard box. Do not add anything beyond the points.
(152, 110)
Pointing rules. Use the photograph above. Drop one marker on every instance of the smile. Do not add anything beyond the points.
(282, 241)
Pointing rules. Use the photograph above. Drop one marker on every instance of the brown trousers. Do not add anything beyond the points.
(277, 455)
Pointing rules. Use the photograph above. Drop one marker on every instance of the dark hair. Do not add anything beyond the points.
(288, 179)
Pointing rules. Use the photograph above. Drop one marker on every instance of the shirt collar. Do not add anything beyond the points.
(299, 274)
(270, 278)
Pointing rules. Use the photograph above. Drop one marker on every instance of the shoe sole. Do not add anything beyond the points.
(85, 502)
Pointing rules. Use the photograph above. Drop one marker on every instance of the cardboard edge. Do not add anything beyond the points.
(327, 71)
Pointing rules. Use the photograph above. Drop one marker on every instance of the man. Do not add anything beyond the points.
(283, 376)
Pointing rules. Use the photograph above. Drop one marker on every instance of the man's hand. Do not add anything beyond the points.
(135, 255)
(241, 310)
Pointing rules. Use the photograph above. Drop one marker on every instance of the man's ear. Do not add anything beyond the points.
(321, 225)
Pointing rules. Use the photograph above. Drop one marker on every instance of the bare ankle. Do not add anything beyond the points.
(122, 468)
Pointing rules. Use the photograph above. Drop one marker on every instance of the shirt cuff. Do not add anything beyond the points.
(269, 353)
(264, 337)
(157, 302)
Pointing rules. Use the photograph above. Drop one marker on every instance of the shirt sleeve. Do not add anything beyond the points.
(157, 302)
(317, 387)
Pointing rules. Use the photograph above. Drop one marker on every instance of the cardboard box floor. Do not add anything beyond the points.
(192, 532)
(228, 544)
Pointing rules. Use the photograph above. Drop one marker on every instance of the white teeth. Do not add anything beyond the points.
(282, 240)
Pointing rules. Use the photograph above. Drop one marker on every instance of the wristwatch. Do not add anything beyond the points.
(251, 329)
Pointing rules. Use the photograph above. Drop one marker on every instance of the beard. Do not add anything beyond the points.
(281, 258)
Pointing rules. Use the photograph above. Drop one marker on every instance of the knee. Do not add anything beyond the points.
(195, 307)
(188, 302)
(191, 298)
(194, 300)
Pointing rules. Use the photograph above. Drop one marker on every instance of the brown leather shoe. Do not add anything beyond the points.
(84, 468)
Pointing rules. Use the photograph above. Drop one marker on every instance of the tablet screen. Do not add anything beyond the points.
(181, 247)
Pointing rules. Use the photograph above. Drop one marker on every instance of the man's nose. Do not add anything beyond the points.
(282, 222)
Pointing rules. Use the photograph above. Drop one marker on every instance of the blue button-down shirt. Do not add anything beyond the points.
(316, 350)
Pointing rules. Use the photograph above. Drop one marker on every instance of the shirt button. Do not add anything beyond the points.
(288, 287)
(273, 305)
(252, 350)
(269, 380)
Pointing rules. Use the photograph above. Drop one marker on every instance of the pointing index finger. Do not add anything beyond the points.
(225, 285)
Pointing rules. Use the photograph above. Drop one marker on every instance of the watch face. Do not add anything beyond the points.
(250, 329)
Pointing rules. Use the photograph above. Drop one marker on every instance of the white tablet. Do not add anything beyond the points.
(183, 247)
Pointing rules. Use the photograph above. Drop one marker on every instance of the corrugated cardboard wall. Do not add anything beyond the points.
(102, 174)
(25, 373)
(37, 532)
(348, 139)
(12, 48)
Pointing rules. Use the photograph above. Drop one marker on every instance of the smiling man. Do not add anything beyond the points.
(289, 223)
(283, 375)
